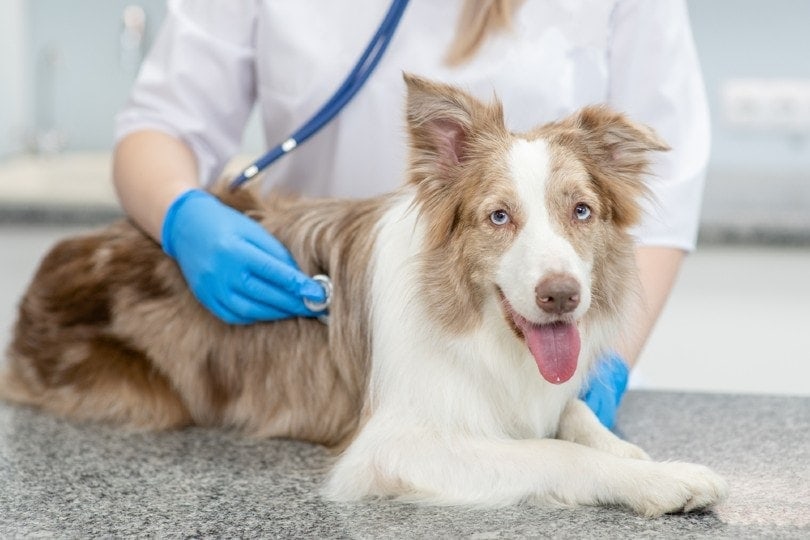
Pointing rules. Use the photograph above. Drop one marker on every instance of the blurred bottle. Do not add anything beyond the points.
(133, 42)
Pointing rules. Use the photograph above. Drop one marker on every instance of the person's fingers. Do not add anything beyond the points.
(277, 273)
(250, 310)
(268, 299)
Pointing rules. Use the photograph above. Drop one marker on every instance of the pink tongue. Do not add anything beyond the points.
(555, 348)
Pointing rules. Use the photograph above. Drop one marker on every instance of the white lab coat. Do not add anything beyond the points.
(213, 60)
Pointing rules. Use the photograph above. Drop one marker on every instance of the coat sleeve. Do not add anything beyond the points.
(198, 81)
(655, 78)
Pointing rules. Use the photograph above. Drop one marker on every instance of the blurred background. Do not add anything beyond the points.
(739, 318)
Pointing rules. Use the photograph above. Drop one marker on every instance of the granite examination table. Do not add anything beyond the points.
(68, 480)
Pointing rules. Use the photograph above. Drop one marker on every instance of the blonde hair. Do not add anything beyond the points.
(478, 20)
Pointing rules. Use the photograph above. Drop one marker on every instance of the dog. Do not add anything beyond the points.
(469, 306)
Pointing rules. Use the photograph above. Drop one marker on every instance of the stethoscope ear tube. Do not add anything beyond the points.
(354, 81)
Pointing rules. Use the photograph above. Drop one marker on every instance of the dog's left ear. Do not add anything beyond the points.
(441, 122)
(617, 155)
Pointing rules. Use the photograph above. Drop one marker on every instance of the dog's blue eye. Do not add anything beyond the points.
(582, 212)
(499, 217)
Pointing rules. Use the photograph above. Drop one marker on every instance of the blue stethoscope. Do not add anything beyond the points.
(353, 82)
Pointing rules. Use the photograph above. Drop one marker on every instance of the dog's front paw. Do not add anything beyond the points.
(677, 487)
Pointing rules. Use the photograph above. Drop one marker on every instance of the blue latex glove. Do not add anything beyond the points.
(606, 387)
(234, 267)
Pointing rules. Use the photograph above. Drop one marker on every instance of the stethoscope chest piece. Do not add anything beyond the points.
(326, 284)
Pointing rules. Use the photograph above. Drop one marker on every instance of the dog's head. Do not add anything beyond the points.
(533, 223)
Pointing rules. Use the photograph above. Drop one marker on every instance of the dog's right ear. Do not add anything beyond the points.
(441, 120)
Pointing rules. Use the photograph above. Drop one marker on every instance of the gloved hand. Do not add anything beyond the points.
(606, 387)
(234, 267)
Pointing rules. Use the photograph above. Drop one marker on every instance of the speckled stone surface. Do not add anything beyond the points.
(59, 479)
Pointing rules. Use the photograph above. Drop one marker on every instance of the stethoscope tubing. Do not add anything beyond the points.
(355, 80)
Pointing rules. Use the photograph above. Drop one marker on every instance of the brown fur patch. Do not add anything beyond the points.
(83, 303)
(109, 331)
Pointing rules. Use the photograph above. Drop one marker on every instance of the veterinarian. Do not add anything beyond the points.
(213, 61)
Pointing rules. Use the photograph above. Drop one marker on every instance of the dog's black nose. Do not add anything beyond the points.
(557, 294)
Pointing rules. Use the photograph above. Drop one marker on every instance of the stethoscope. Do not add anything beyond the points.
(354, 81)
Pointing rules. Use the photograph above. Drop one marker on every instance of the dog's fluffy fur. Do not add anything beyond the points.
(503, 255)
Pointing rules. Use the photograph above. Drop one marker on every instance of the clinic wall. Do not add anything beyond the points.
(69, 78)
(752, 39)
(70, 62)
(12, 77)
(78, 71)
(756, 176)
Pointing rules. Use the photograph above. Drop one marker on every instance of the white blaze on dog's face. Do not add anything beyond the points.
(544, 276)
(552, 209)
(537, 222)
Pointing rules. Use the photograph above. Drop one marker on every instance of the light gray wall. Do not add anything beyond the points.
(755, 177)
(75, 71)
(12, 77)
(752, 39)
(67, 73)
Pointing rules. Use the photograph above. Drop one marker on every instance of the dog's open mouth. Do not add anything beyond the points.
(555, 346)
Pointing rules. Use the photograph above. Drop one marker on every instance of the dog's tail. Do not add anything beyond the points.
(142, 399)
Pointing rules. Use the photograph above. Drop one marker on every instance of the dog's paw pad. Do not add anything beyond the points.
(681, 487)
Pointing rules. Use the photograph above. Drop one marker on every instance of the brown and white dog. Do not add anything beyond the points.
(469, 306)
